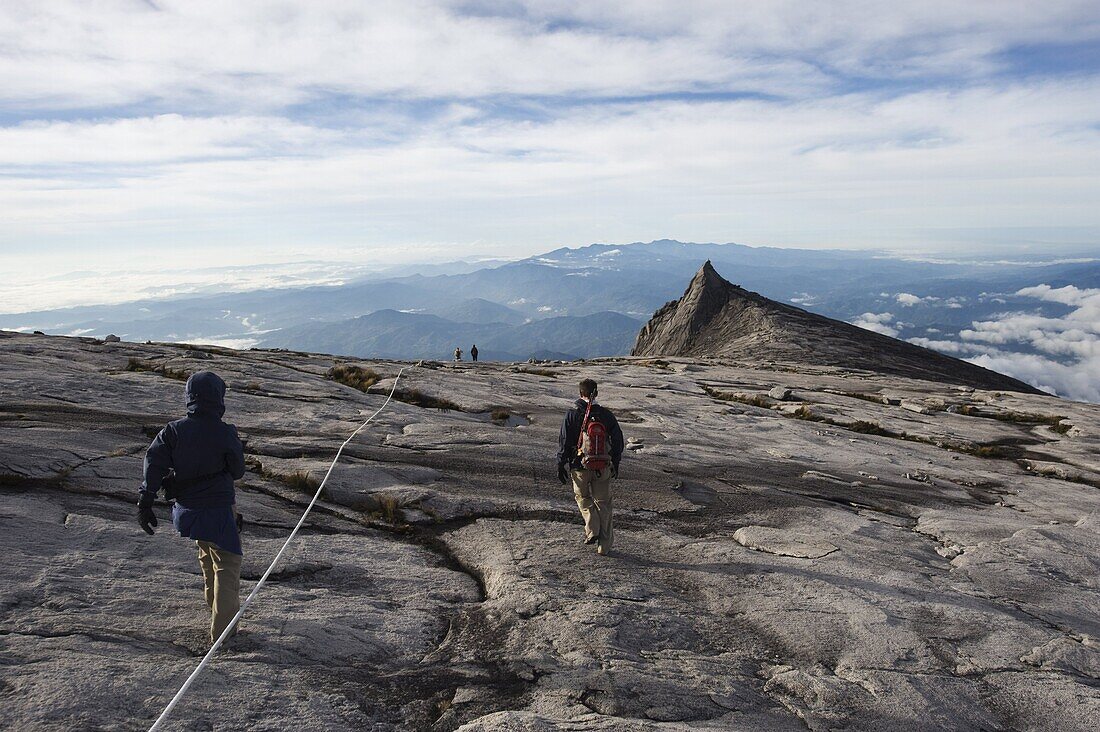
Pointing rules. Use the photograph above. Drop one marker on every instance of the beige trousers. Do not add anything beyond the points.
(593, 493)
(221, 574)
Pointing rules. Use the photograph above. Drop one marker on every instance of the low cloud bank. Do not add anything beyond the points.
(878, 322)
(1060, 355)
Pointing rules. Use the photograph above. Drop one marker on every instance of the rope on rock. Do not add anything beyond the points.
(248, 601)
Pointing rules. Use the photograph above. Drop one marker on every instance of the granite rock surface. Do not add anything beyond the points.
(717, 318)
(831, 560)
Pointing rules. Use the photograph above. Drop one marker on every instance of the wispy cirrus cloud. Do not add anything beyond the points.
(505, 127)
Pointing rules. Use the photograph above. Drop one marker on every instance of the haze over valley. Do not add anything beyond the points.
(1035, 318)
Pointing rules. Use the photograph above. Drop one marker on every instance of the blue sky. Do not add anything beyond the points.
(150, 134)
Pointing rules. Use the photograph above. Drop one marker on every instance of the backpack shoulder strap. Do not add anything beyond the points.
(584, 423)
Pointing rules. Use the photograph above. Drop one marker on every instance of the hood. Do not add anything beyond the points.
(205, 392)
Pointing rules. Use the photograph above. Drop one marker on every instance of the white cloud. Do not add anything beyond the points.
(1068, 295)
(1075, 337)
(630, 168)
(906, 299)
(155, 140)
(804, 298)
(878, 322)
(259, 54)
(31, 290)
(504, 128)
(1074, 381)
(954, 348)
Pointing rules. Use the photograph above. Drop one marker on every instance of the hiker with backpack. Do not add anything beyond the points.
(195, 461)
(590, 447)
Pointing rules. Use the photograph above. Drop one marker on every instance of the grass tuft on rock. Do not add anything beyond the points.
(388, 507)
(137, 365)
(1053, 420)
(755, 400)
(420, 399)
(356, 377)
(299, 479)
(872, 428)
(500, 414)
(538, 372)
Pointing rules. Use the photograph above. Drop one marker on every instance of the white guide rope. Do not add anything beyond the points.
(248, 601)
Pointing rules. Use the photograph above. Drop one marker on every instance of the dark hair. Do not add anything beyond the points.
(588, 388)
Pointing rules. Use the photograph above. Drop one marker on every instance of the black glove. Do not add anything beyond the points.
(146, 518)
(563, 473)
(240, 522)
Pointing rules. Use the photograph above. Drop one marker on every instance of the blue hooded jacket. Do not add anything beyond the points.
(207, 457)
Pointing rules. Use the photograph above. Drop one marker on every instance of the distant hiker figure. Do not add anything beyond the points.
(590, 447)
(458, 354)
(195, 460)
(473, 352)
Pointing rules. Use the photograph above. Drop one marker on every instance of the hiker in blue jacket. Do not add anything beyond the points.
(590, 447)
(196, 459)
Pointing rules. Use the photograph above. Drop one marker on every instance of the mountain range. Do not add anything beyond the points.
(933, 303)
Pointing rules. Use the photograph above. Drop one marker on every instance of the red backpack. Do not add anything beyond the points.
(592, 443)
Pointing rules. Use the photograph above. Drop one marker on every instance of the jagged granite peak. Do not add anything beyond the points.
(716, 318)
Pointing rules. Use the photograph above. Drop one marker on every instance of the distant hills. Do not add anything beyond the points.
(394, 334)
(497, 305)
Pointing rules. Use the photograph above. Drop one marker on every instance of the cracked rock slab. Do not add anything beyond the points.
(782, 542)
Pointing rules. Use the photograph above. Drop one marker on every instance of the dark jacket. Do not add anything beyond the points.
(198, 446)
(571, 432)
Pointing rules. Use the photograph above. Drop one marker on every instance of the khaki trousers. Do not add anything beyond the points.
(221, 574)
(593, 493)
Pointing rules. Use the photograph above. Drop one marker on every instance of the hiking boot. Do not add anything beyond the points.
(603, 551)
(592, 540)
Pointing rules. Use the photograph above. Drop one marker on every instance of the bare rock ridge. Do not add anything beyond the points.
(717, 318)
(796, 549)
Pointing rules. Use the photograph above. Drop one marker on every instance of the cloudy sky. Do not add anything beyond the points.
(162, 132)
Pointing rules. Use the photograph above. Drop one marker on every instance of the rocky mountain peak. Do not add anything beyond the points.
(716, 318)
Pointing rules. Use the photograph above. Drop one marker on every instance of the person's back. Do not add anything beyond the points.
(196, 459)
(590, 447)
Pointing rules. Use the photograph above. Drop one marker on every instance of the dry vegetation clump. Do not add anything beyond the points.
(755, 400)
(873, 398)
(656, 363)
(500, 414)
(387, 507)
(356, 377)
(804, 412)
(538, 372)
(137, 365)
(420, 399)
(1054, 420)
(995, 452)
(871, 428)
(298, 479)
